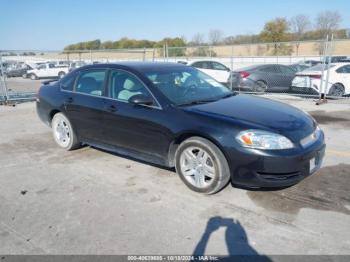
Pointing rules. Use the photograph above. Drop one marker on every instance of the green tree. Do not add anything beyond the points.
(176, 46)
(275, 31)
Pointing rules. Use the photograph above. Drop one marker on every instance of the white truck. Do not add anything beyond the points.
(48, 70)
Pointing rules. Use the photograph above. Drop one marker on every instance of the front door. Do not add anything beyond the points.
(130, 126)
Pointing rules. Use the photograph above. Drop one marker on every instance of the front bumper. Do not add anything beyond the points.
(254, 168)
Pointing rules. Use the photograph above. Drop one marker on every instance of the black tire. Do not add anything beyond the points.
(73, 139)
(260, 86)
(336, 90)
(61, 75)
(33, 76)
(222, 174)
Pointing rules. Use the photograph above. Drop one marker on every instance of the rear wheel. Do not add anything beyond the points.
(201, 165)
(61, 75)
(336, 90)
(260, 86)
(63, 132)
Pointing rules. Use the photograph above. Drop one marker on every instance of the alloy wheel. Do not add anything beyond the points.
(198, 167)
(61, 132)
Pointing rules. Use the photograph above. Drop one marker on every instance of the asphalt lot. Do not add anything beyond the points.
(90, 201)
(19, 84)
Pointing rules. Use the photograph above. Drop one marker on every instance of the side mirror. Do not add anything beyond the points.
(141, 100)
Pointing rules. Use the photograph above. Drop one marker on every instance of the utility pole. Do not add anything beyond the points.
(322, 99)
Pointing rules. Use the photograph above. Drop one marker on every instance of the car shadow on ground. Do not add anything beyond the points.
(236, 238)
(170, 169)
(173, 170)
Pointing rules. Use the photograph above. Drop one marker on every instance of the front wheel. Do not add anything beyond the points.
(201, 165)
(33, 77)
(63, 132)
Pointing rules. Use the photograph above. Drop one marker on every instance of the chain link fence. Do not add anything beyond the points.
(304, 69)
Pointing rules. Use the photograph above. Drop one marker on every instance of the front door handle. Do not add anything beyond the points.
(111, 108)
(69, 100)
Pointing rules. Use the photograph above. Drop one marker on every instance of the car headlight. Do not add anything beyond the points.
(259, 139)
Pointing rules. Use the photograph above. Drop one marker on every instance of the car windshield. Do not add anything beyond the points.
(184, 86)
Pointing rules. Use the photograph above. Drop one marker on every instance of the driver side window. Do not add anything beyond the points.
(123, 86)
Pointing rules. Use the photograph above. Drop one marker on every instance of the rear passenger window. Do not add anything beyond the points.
(91, 82)
(269, 69)
(217, 66)
(198, 65)
(67, 82)
(286, 70)
(343, 69)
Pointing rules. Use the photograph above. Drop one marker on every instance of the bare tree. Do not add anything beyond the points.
(327, 22)
(198, 39)
(299, 25)
(215, 36)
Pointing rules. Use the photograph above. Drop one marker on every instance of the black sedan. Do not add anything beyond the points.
(176, 116)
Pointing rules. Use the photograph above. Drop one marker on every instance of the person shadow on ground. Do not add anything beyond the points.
(236, 238)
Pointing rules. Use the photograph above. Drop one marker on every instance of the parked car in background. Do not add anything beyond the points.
(177, 116)
(262, 78)
(298, 67)
(309, 80)
(337, 59)
(310, 63)
(47, 70)
(216, 70)
(18, 71)
(345, 60)
(77, 64)
(60, 63)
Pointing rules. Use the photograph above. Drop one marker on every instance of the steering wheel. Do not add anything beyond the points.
(189, 87)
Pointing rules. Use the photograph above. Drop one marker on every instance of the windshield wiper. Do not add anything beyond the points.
(198, 102)
(229, 95)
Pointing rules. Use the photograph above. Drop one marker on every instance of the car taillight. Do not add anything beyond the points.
(315, 76)
(244, 74)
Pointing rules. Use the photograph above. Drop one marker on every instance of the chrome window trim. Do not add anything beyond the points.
(159, 107)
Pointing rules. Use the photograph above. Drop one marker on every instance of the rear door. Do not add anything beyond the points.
(286, 77)
(222, 73)
(84, 105)
(342, 76)
(206, 67)
(270, 74)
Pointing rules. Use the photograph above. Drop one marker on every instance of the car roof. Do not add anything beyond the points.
(254, 67)
(139, 66)
(340, 63)
(207, 61)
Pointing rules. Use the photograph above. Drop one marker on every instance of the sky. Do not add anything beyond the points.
(52, 24)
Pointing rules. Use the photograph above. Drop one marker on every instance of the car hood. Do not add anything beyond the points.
(248, 111)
